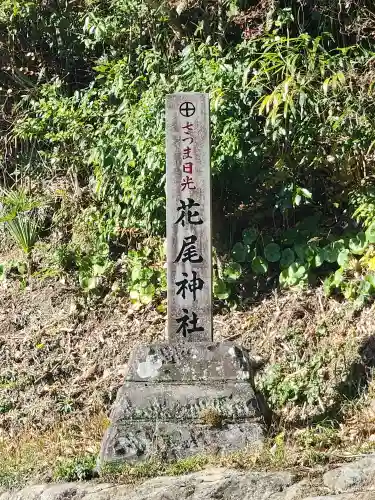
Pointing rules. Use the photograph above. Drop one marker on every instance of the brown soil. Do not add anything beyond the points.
(59, 362)
(62, 361)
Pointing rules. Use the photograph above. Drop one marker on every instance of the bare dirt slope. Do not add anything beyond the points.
(57, 360)
(62, 361)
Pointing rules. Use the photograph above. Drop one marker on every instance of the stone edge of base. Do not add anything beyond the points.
(189, 362)
(330, 485)
(208, 477)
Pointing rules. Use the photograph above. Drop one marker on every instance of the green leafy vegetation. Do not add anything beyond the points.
(5, 406)
(76, 469)
(311, 374)
(292, 139)
(147, 276)
(82, 143)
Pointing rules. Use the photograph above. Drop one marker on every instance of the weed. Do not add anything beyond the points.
(130, 473)
(5, 406)
(320, 437)
(24, 230)
(73, 446)
(310, 374)
(187, 465)
(8, 382)
(65, 406)
(145, 279)
(75, 469)
(211, 417)
(152, 468)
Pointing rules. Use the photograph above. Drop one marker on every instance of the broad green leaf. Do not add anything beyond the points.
(297, 200)
(343, 257)
(232, 271)
(370, 233)
(98, 270)
(272, 252)
(319, 257)
(358, 244)
(305, 252)
(299, 272)
(300, 251)
(287, 258)
(329, 254)
(89, 284)
(371, 279)
(147, 294)
(162, 308)
(292, 237)
(134, 295)
(259, 265)
(360, 301)
(239, 252)
(221, 290)
(293, 275)
(284, 278)
(332, 250)
(305, 192)
(136, 273)
(364, 288)
(250, 254)
(249, 235)
(147, 274)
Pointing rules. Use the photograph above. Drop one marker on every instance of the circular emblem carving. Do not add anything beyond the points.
(187, 109)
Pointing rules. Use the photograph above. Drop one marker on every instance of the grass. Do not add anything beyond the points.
(60, 453)
(152, 468)
(80, 468)
(315, 382)
(69, 452)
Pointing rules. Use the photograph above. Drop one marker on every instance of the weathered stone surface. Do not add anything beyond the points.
(189, 185)
(351, 476)
(330, 497)
(31, 493)
(206, 485)
(296, 491)
(216, 484)
(133, 441)
(189, 362)
(233, 401)
(161, 410)
(361, 495)
(209, 484)
(342, 480)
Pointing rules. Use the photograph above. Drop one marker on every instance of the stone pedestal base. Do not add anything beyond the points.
(181, 400)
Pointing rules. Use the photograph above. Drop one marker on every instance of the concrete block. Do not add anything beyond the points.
(189, 362)
(181, 400)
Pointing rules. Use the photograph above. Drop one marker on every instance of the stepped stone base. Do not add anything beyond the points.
(181, 400)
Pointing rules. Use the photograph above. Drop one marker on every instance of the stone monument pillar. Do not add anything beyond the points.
(189, 255)
(189, 395)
